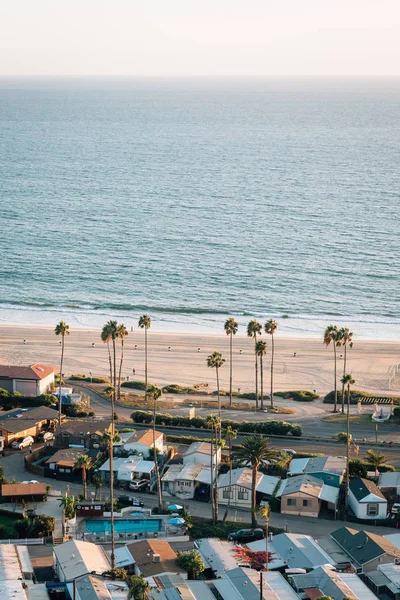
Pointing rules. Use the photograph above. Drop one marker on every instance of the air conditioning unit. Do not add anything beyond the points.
(156, 558)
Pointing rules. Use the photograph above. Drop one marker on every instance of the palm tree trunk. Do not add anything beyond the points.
(212, 478)
(110, 451)
(230, 370)
(110, 361)
(219, 401)
(59, 389)
(344, 373)
(145, 363)
(272, 370)
(216, 471)
(266, 542)
(230, 481)
(159, 491)
(261, 383)
(84, 483)
(347, 454)
(335, 388)
(253, 497)
(120, 368)
(113, 395)
(255, 342)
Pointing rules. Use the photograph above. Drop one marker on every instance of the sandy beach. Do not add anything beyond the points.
(370, 362)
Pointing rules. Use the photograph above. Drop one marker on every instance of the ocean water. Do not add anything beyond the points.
(196, 200)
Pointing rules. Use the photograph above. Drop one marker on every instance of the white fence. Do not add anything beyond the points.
(25, 542)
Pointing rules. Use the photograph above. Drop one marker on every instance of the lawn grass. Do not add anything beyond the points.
(362, 419)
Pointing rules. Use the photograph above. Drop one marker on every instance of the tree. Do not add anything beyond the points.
(261, 349)
(377, 459)
(255, 450)
(270, 327)
(192, 562)
(216, 361)
(213, 423)
(155, 392)
(347, 380)
(106, 337)
(345, 339)
(253, 329)
(138, 587)
(109, 438)
(324, 598)
(110, 333)
(67, 503)
(145, 323)
(265, 512)
(122, 332)
(230, 434)
(357, 468)
(331, 335)
(231, 328)
(61, 329)
(117, 574)
(84, 463)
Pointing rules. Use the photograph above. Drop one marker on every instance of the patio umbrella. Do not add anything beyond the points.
(177, 521)
(174, 507)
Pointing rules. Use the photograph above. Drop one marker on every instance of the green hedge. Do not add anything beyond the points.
(174, 388)
(298, 395)
(83, 377)
(263, 427)
(135, 385)
(355, 396)
(9, 401)
(203, 528)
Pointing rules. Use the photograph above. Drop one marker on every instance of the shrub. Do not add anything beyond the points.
(9, 401)
(83, 377)
(298, 395)
(355, 396)
(357, 468)
(135, 385)
(192, 562)
(202, 528)
(396, 413)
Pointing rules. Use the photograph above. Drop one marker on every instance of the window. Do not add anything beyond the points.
(372, 509)
(291, 502)
(243, 495)
(329, 477)
(227, 494)
(306, 502)
(61, 470)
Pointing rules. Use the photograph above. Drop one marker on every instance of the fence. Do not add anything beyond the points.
(25, 542)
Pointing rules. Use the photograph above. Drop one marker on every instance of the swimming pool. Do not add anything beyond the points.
(136, 513)
(123, 526)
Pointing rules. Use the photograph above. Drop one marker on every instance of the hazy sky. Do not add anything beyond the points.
(202, 38)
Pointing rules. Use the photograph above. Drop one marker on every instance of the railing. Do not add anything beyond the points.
(25, 542)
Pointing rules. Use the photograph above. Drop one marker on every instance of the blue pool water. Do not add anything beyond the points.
(124, 526)
(136, 513)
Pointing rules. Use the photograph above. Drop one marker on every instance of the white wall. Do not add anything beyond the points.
(360, 509)
(200, 458)
(45, 383)
(235, 500)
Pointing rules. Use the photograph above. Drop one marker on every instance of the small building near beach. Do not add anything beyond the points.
(304, 496)
(366, 500)
(82, 434)
(76, 558)
(365, 550)
(323, 581)
(200, 453)
(142, 441)
(155, 557)
(23, 422)
(23, 491)
(128, 469)
(33, 380)
(185, 481)
(330, 469)
(62, 464)
(239, 492)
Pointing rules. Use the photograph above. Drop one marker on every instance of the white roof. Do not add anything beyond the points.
(123, 557)
(394, 538)
(204, 476)
(389, 480)
(295, 550)
(188, 472)
(12, 590)
(199, 448)
(217, 554)
(310, 486)
(392, 572)
(297, 466)
(267, 484)
(78, 558)
(133, 464)
(243, 476)
(24, 559)
(10, 574)
(36, 591)
(247, 584)
(358, 587)
(278, 585)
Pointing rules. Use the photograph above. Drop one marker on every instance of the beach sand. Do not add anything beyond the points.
(371, 363)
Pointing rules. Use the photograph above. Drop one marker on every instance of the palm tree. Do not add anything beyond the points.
(216, 361)
(270, 327)
(261, 349)
(331, 334)
(84, 463)
(106, 337)
(347, 380)
(255, 450)
(265, 512)
(345, 339)
(230, 434)
(253, 329)
(377, 459)
(138, 588)
(61, 329)
(121, 333)
(231, 328)
(213, 423)
(109, 438)
(145, 323)
(156, 393)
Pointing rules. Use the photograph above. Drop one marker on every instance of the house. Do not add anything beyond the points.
(95, 587)
(385, 581)
(389, 484)
(244, 584)
(128, 469)
(21, 423)
(174, 587)
(16, 574)
(28, 381)
(304, 495)
(74, 559)
(324, 581)
(218, 556)
(200, 453)
(366, 500)
(365, 550)
(240, 491)
(16, 492)
(294, 551)
(330, 469)
(140, 442)
(90, 509)
(62, 464)
(184, 481)
(155, 557)
(84, 434)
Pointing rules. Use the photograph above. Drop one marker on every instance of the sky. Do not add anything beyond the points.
(203, 38)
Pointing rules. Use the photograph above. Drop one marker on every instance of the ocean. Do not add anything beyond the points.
(196, 200)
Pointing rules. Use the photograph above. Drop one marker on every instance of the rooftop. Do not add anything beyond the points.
(389, 480)
(217, 555)
(35, 372)
(78, 558)
(363, 546)
(242, 477)
(23, 489)
(92, 587)
(199, 448)
(143, 553)
(295, 550)
(131, 464)
(66, 457)
(144, 437)
(247, 585)
(333, 584)
(187, 472)
(84, 427)
(333, 465)
(362, 488)
(311, 486)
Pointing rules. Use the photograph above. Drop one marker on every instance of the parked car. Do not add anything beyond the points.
(46, 436)
(246, 535)
(22, 443)
(131, 500)
(30, 481)
(289, 451)
(139, 485)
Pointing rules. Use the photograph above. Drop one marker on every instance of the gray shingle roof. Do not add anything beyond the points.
(361, 488)
(363, 546)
